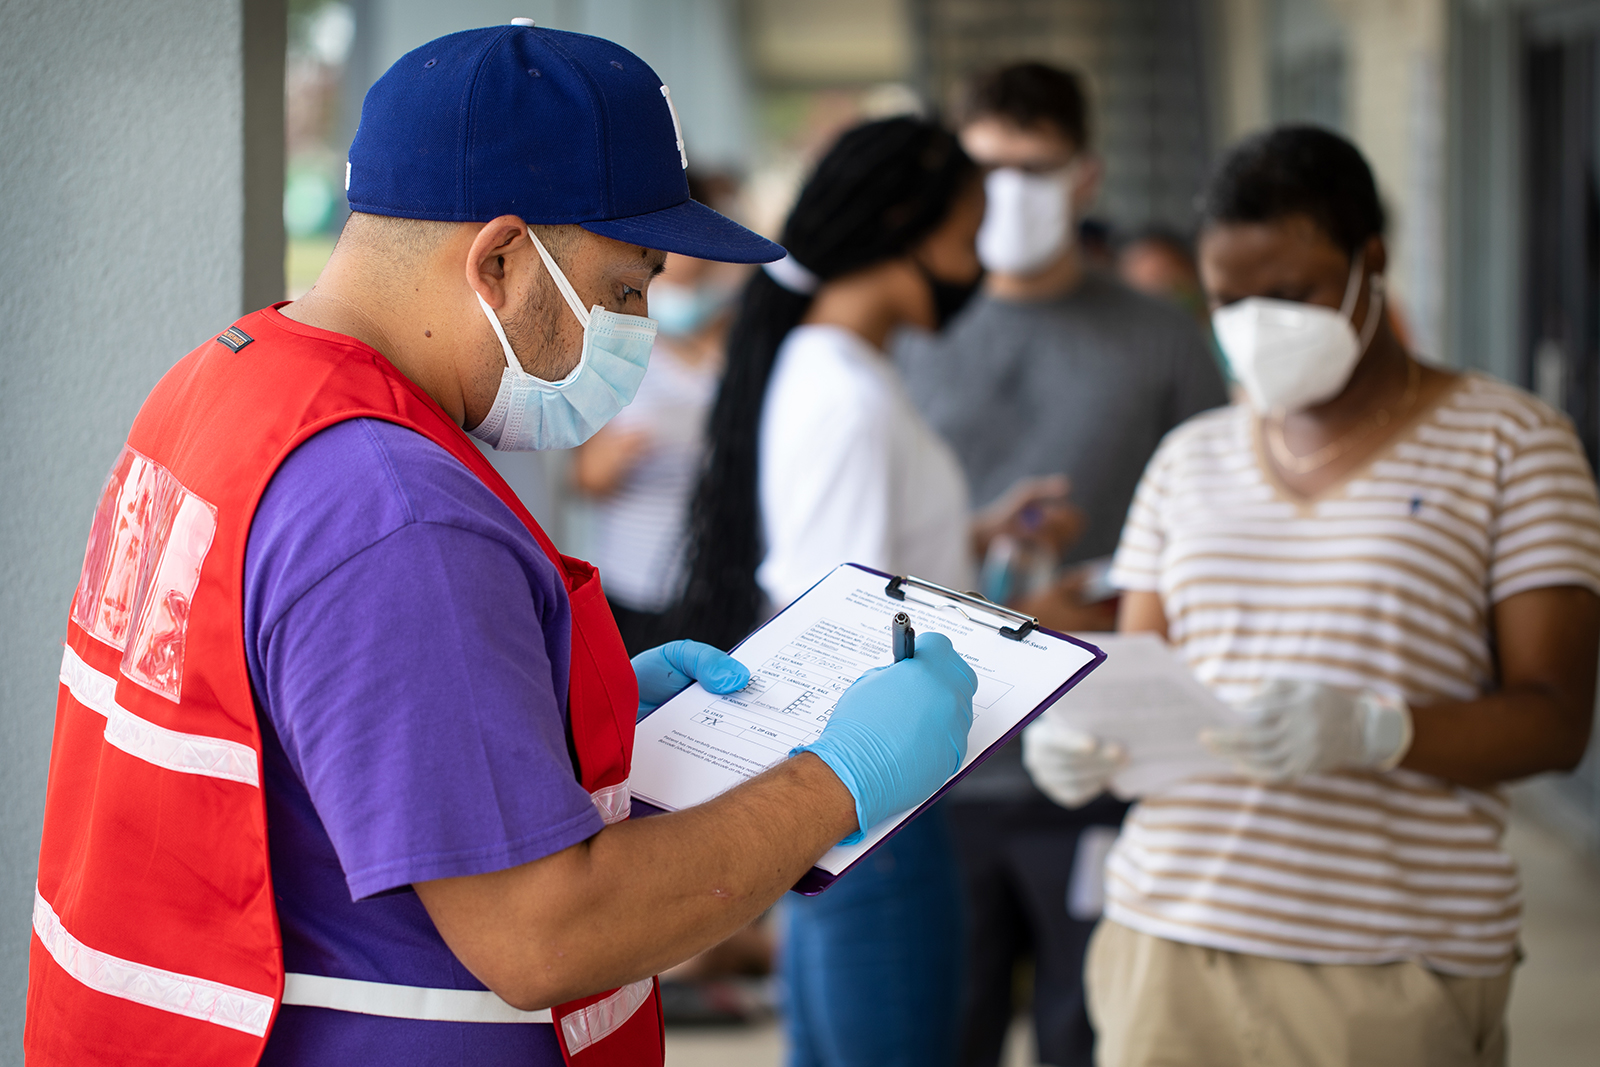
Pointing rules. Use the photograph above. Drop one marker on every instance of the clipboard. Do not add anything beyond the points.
(804, 657)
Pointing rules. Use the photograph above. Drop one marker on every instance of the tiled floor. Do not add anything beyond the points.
(757, 1046)
(1555, 1003)
(1555, 1000)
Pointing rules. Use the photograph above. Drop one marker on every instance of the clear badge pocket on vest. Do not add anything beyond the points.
(146, 547)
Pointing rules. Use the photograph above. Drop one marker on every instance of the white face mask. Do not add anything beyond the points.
(1289, 355)
(531, 414)
(1028, 221)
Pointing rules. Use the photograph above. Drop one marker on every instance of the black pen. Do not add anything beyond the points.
(902, 637)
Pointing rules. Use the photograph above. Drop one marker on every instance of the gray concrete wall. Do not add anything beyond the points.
(124, 175)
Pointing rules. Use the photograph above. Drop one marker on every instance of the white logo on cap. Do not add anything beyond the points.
(677, 129)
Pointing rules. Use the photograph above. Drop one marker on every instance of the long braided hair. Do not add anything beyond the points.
(881, 189)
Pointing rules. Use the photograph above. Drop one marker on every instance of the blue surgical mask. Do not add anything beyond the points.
(533, 415)
(682, 310)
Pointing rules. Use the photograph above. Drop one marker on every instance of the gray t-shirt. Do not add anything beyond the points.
(1085, 385)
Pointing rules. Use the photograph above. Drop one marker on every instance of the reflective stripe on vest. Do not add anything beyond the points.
(171, 750)
(614, 802)
(603, 1018)
(404, 1001)
(181, 994)
(581, 1029)
(239, 1009)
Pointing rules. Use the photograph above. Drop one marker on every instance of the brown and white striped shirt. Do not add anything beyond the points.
(1384, 582)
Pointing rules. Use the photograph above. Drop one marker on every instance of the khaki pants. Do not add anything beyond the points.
(1159, 1002)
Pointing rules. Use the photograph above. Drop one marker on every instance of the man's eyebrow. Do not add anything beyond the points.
(661, 260)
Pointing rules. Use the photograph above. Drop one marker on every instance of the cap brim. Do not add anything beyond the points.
(690, 229)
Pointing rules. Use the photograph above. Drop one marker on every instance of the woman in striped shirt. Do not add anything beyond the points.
(1393, 571)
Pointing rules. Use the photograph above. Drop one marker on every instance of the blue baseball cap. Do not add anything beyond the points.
(550, 126)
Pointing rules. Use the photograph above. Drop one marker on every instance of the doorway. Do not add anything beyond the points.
(1562, 273)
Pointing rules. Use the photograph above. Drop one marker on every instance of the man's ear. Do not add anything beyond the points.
(1086, 178)
(486, 267)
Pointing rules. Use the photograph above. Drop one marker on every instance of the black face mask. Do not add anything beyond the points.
(948, 297)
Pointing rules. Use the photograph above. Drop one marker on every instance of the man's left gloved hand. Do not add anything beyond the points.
(669, 669)
(1297, 728)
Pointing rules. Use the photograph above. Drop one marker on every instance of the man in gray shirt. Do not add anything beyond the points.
(1085, 383)
(1052, 369)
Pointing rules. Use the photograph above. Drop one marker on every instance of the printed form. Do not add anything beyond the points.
(1145, 698)
(698, 745)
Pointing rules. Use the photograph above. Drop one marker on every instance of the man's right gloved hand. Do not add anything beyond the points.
(900, 731)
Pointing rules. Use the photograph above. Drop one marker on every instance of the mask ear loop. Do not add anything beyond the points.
(500, 332)
(1352, 293)
(567, 292)
(1375, 305)
(1352, 288)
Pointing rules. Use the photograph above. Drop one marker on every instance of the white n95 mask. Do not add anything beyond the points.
(1289, 355)
(1027, 222)
(531, 414)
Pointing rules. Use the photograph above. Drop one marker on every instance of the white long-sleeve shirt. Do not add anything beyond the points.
(850, 472)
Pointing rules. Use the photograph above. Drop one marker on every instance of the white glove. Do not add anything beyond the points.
(1069, 766)
(1296, 728)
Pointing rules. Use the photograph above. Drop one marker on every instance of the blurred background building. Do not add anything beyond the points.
(1480, 118)
(150, 155)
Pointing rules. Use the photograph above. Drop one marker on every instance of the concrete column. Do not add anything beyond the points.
(1396, 113)
(1239, 33)
(143, 180)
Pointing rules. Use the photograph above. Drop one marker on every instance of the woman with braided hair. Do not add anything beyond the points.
(817, 457)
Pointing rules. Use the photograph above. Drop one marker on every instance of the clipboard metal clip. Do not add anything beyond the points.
(896, 589)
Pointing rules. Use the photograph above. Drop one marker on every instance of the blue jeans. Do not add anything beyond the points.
(873, 966)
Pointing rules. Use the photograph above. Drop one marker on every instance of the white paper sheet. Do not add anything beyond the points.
(1148, 700)
(698, 745)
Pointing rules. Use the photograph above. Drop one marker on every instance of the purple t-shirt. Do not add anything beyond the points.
(408, 645)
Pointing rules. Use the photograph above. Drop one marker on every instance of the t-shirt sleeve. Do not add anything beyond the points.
(412, 691)
(1547, 528)
(1136, 566)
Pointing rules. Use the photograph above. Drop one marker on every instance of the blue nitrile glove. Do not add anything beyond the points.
(667, 670)
(900, 731)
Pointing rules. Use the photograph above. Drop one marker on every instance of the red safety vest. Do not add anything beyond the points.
(156, 937)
